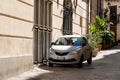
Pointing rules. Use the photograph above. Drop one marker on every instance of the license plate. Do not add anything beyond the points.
(61, 58)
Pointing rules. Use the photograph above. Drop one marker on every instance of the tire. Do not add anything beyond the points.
(50, 64)
(80, 63)
(89, 61)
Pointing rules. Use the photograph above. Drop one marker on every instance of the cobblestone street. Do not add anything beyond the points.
(105, 66)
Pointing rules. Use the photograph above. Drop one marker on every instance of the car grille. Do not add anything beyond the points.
(68, 60)
(61, 54)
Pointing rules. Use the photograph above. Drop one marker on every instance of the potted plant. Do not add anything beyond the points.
(108, 39)
(97, 31)
(94, 40)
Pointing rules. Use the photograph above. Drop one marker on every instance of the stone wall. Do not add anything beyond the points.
(16, 22)
(12, 66)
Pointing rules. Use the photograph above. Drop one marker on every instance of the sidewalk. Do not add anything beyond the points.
(46, 72)
(103, 53)
(31, 73)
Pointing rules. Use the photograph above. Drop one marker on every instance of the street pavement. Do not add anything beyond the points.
(105, 66)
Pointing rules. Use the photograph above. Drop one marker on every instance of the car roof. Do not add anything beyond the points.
(72, 36)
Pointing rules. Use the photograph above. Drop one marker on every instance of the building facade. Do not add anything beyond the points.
(27, 28)
(113, 7)
(96, 8)
(16, 22)
(54, 18)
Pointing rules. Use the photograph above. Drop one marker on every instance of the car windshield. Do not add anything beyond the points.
(74, 41)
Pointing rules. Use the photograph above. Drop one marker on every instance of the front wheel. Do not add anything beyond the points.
(89, 61)
(50, 64)
(80, 63)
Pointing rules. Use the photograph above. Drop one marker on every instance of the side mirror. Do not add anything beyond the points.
(52, 43)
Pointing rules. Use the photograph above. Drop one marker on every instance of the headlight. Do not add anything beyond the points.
(52, 51)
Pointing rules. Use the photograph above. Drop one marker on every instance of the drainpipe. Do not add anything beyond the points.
(90, 10)
(35, 34)
(39, 33)
(88, 14)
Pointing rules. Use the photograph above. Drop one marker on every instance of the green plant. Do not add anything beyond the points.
(95, 32)
(94, 39)
(99, 25)
(98, 33)
(108, 38)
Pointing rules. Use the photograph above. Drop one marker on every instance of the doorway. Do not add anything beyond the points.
(113, 19)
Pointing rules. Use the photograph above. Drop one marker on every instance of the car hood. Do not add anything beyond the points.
(65, 48)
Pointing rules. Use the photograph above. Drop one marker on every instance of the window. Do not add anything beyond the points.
(67, 17)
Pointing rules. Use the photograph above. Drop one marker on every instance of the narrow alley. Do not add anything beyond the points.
(32, 31)
(105, 66)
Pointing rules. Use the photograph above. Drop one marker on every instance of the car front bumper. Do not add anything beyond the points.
(68, 59)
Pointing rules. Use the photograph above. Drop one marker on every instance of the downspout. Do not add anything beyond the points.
(35, 33)
(40, 55)
(88, 14)
(90, 10)
(97, 7)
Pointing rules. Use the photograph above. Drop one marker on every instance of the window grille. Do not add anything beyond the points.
(67, 17)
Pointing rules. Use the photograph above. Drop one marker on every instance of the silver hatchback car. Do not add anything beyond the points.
(70, 49)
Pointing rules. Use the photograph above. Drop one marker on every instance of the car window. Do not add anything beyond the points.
(74, 41)
(77, 42)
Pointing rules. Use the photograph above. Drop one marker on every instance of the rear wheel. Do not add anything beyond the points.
(89, 61)
(81, 60)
